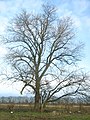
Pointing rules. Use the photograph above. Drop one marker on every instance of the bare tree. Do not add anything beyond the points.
(42, 48)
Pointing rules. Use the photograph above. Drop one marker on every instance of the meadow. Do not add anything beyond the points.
(52, 112)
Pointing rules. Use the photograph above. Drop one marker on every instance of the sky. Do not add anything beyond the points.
(79, 10)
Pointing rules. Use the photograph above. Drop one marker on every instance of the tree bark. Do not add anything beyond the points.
(37, 97)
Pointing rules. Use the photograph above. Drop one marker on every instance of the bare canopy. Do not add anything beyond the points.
(42, 48)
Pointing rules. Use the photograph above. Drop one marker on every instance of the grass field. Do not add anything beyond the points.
(24, 113)
(41, 116)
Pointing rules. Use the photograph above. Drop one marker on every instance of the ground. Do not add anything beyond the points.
(25, 112)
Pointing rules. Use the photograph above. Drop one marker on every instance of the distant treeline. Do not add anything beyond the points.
(16, 99)
(25, 99)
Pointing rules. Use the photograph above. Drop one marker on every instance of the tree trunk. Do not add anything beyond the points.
(37, 103)
(42, 106)
(37, 96)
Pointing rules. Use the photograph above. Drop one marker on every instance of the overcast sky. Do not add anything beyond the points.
(79, 10)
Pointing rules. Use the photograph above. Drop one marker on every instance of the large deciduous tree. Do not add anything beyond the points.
(43, 55)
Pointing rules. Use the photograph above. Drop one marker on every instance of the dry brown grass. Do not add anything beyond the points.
(52, 112)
